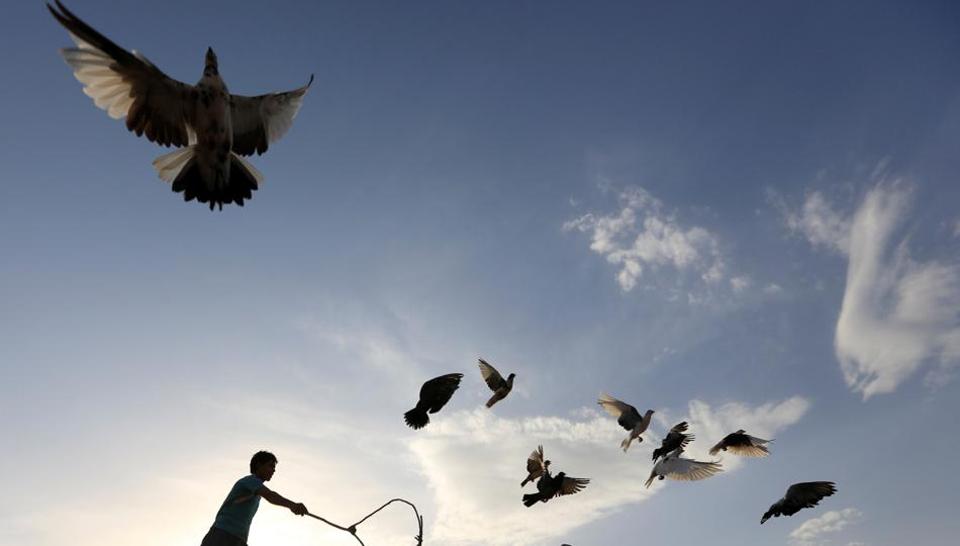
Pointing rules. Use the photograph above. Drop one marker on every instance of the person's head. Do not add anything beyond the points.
(263, 464)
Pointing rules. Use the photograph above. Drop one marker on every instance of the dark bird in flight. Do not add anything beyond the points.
(741, 443)
(799, 496)
(536, 466)
(675, 439)
(501, 387)
(434, 394)
(210, 128)
(549, 486)
(675, 467)
(627, 417)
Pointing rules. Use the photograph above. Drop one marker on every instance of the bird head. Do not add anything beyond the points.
(210, 67)
(765, 517)
(649, 413)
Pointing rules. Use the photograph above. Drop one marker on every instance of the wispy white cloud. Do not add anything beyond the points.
(810, 532)
(897, 313)
(818, 221)
(642, 236)
(474, 462)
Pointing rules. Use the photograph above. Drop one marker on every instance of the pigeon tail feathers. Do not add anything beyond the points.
(530, 499)
(416, 418)
(182, 170)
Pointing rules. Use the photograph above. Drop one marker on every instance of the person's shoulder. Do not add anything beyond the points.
(250, 482)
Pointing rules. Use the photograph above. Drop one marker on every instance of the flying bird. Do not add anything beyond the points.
(675, 467)
(536, 466)
(434, 394)
(799, 496)
(628, 417)
(675, 439)
(211, 129)
(550, 486)
(741, 443)
(501, 387)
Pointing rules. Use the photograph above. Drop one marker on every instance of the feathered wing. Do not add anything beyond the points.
(806, 495)
(679, 468)
(799, 496)
(569, 485)
(436, 392)
(690, 470)
(491, 376)
(127, 85)
(259, 121)
(740, 443)
(535, 465)
(748, 450)
(627, 415)
(679, 428)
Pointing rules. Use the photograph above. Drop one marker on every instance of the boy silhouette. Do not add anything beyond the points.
(232, 524)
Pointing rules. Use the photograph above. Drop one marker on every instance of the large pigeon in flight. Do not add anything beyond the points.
(210, 128)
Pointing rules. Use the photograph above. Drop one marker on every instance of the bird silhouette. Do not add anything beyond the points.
(799, 496)
(549, 487)
(627, 417)
(536, 466)
(741, 443)
(501, 387)
(434, 394)
(675, 439)
(211, 128)
(675, 467)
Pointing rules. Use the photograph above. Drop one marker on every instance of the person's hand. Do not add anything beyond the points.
(299, 509)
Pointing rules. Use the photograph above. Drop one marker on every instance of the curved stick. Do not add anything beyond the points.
(353, 528)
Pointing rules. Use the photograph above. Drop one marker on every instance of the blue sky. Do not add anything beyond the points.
(743, 215)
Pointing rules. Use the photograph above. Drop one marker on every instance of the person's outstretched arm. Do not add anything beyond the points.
(273, 497)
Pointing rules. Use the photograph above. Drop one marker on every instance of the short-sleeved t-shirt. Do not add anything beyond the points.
(238, 508)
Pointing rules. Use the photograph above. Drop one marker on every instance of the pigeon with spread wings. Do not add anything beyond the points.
(675, 467)
(434, 394)
(741, 443)
(501, 387)
(536, 466)
(799, 496)
(554, 486)
(211, 128)
(628, 417)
